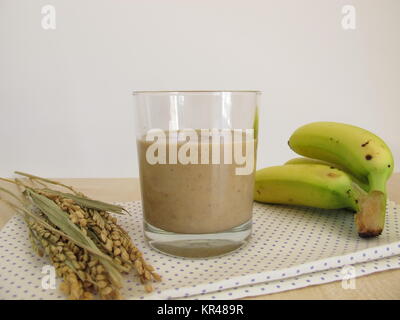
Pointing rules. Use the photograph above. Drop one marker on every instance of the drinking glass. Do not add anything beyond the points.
(197, 158)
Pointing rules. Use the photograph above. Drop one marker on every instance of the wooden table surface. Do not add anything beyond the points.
(381, 285)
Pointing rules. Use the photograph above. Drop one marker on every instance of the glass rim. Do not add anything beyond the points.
(138, 92)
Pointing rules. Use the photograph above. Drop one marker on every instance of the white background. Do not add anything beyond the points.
(65, 94)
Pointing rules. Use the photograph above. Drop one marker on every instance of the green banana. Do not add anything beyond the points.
(312, 185)
(358, 151)
(300, 160)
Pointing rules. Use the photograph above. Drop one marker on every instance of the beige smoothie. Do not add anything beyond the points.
(199, 197)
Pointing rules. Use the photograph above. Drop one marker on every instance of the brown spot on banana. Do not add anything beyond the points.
(365, 143)
(332, 175)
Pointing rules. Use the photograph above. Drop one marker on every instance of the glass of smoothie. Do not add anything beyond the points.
(197, 158)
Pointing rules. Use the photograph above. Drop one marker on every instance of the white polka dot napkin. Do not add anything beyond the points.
(291, 247)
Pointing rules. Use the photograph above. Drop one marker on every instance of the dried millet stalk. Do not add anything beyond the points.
(81, 262)
(82, 273)
(112, 239)
(63, 259)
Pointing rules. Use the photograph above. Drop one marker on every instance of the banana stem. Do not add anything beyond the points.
(370, 219)
(377, 182)
(371, 209)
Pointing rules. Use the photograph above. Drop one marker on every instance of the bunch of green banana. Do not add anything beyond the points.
(349, 169)
(362, 184)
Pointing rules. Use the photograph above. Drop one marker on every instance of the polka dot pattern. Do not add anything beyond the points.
(336, 274)
(291, 247)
